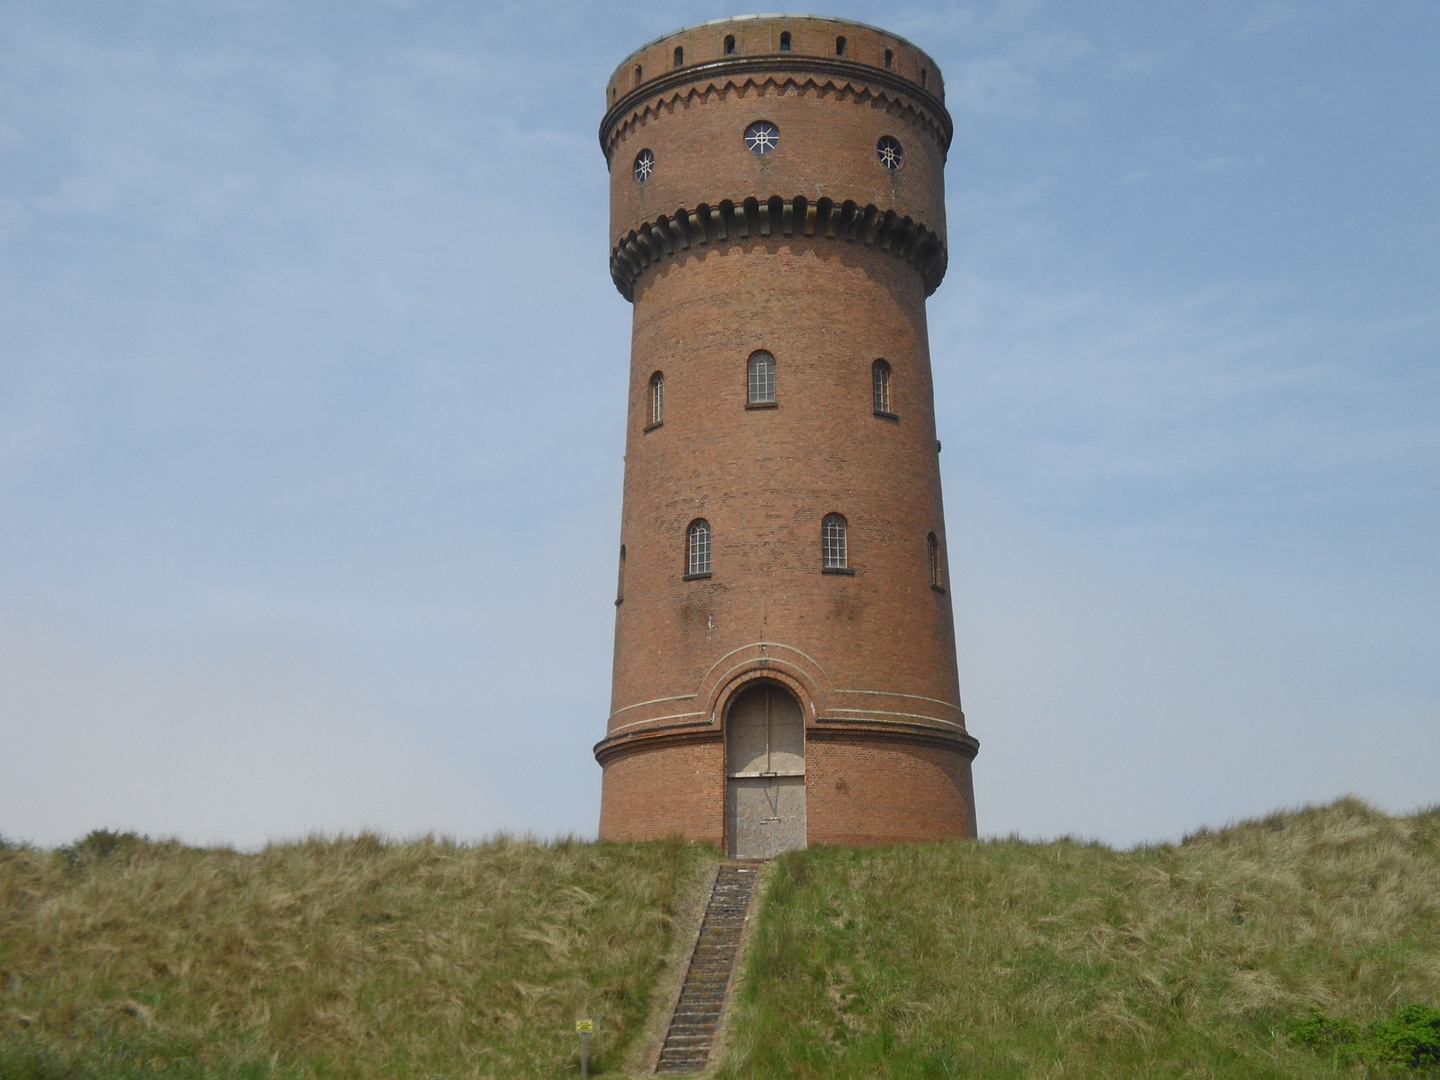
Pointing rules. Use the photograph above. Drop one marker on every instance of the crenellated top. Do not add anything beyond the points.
(733, 53)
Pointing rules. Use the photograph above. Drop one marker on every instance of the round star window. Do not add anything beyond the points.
(644, 165)
(889, 152)
(762, 137)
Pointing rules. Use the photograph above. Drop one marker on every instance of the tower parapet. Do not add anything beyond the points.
(785, 665)
(814, 185)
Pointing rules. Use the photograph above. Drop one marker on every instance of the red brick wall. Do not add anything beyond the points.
(829, 126)
(756, 37)
(678, 788)
(878, 646)
(863, 792)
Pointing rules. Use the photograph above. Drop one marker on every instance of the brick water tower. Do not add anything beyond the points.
(785, 668)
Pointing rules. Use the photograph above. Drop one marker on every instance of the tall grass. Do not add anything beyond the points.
(1247, 952)
(1068, 959)
(351, 957)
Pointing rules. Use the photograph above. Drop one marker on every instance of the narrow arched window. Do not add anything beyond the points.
(785, 41)
(923, 73)
(697, 548)
(839, 46)
(620, 584)
(679, 56)
(936, 577)
(880, 380)
(657, 399)
(639, 74)
(834, 555)
(729, 44)
(761, 379)
(889, 57)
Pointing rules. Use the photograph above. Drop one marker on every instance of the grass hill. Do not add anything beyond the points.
(351, 958)
(1067, 959)
(1291, 946)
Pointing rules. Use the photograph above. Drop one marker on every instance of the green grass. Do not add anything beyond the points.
(1067, 959)
(351, 958)
(1303, 945)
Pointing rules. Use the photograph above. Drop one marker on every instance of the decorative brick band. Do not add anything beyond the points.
(616, 746)
(826, 729)
(670, 234)
(736, 74)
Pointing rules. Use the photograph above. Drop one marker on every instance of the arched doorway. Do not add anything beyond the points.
(764, 772)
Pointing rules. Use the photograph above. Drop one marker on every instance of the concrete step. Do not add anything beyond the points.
(691, 1034)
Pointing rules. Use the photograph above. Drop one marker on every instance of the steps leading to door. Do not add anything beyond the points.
(691, 1034)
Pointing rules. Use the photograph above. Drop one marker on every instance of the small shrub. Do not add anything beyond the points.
(1409, 1039)
(99, 845)
(1321, 1032)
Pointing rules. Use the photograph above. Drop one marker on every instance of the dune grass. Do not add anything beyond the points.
(345, 958)
(1068, 959)
(1303, 945)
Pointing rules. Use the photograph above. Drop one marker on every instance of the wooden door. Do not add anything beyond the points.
(764, 773)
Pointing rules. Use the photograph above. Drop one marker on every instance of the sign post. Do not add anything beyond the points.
(584, 1027)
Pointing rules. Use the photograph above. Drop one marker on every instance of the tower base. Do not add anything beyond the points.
(865, 785)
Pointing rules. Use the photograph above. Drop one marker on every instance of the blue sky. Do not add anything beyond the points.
(312, 383)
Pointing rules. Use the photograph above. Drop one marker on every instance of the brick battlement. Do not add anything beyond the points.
(868, 53)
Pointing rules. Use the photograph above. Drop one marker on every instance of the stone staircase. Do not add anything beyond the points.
(696, 1018)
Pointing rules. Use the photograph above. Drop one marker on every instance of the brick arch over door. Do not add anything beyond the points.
(802, 673)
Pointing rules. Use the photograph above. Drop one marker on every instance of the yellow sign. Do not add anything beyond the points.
(584, 1025)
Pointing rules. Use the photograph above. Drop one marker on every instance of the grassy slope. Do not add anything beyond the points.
(351, 958)
(993, 959)
(1005, 958)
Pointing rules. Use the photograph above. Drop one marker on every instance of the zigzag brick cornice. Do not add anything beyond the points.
(741, 73)
(823, 218)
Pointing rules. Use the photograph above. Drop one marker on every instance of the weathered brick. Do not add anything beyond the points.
(870, 655)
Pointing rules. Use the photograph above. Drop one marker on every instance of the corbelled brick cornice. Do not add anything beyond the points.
(863, 82)
(822, 219)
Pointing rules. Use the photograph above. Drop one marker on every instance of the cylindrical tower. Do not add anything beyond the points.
(785, 667)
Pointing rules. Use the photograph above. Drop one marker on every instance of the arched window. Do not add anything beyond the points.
(839, 46)
(834, 555)
(922, 76)
(785, 41)
(679, 56)
(729, 44)
(697, 548)
(639, 74)
(761, 379)
(620, 584)
(880, 379)
(936, 577)
(657, 399)
(889, 57)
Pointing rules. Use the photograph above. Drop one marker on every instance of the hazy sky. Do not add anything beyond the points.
(312, 389)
